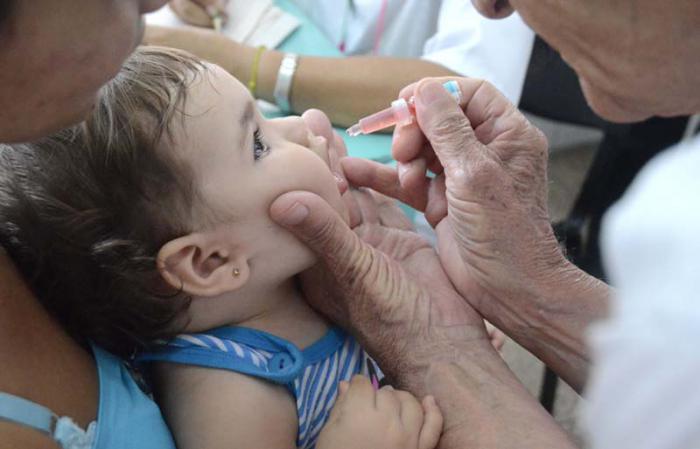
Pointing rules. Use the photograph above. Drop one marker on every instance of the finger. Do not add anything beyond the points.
(496, 337)
(388, 402)
(431, 160)
(436, 209)
(351, 262)
(360, 392)
(366, 173)
(368, 206)
(412, 174)
(343, 387)
(408, 91)
(446, 127)
(432, 424)
(411, 411)
(339, 404)
(383, 179)
(407, 142)
(312, 220)
(391, 216)
(354, 211)
(339, 144)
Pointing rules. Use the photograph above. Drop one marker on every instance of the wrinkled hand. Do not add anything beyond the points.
(381, 280)
(200, 12)
(363, 417)
(488, 199)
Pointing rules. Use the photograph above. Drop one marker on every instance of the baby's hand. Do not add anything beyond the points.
(380, 419)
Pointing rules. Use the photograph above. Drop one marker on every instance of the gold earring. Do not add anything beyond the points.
(236, 272)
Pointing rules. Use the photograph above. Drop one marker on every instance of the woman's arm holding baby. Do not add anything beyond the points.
(329, 84)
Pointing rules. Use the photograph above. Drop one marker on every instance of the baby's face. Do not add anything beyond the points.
(243, 162)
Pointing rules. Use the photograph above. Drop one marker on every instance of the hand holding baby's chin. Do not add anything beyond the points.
(383, 419)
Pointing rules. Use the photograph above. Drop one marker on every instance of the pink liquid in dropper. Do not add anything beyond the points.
(401, 112)
(396, 113)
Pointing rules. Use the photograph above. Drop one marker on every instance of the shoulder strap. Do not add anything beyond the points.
(241, 350)
(30, 414)
(27, 413)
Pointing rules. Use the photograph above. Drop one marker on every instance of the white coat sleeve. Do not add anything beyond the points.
(646, 355)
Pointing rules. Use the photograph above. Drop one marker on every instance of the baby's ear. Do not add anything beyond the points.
(200, 266)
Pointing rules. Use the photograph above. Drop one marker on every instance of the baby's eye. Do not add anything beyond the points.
(260, 149)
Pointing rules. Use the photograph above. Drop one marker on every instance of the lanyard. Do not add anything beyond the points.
(381, 23)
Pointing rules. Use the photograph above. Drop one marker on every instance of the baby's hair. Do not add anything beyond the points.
(83, 213)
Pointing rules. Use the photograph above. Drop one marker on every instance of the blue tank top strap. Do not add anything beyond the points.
(27, 413)
(247, 351)
(327, 345)
(62, 430)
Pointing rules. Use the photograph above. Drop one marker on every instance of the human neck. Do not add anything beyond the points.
(288, 315)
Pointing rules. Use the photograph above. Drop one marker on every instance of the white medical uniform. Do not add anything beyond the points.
(646, 364)
(448, 32)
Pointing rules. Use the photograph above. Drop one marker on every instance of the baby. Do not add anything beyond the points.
(145, 230)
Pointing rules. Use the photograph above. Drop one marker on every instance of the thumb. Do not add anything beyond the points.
(445, 126)
(313, 221)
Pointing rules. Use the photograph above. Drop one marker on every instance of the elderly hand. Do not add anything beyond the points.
(489, 205)
(200, 12)
(495, 240)
(387, 285)
(381, 280)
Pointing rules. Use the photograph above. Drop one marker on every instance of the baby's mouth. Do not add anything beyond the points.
(320, 146)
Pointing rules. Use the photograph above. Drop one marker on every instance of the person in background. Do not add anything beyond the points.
(388, 44)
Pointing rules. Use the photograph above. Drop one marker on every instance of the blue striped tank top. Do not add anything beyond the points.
(311, 375)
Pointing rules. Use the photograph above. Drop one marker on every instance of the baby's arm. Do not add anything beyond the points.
(209, 408)
(388, 419)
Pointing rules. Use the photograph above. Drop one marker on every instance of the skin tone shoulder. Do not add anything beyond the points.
(55, 55)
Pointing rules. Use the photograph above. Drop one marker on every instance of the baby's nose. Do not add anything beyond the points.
(318, 123)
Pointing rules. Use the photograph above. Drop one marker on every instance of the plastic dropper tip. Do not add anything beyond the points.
(354, 130)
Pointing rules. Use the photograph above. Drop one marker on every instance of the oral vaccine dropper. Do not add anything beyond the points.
(401, 112)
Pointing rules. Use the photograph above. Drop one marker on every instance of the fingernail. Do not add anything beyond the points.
(296, 213)
(429, 93)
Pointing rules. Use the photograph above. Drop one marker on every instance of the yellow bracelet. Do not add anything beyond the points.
(253, 82)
